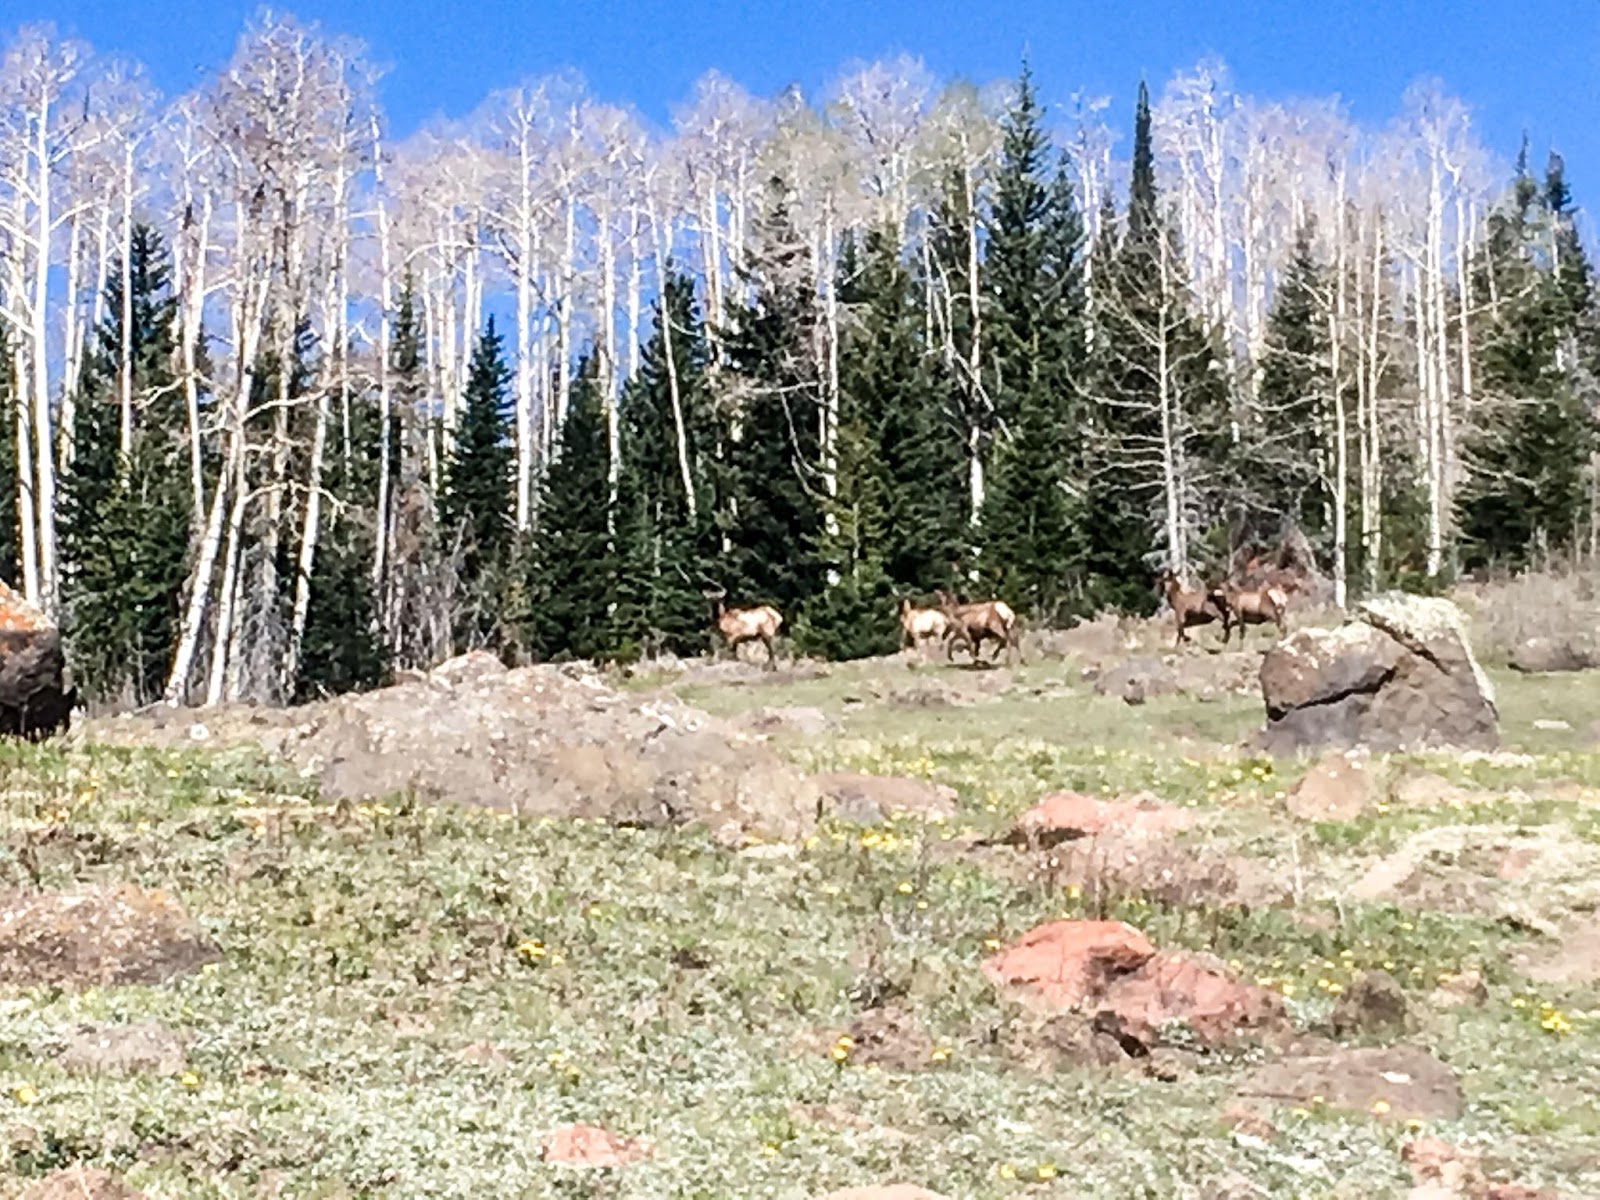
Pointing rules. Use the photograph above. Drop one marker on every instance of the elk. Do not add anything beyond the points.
(1192, 607)
(736, 626)
(1252, 606)
(919, 624)
(989, 620)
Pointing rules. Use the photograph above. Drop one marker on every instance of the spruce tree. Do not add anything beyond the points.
(775, 480)
(572, 573)
(478, 502)
(125, 519)
(1032, 519)
(667, 545)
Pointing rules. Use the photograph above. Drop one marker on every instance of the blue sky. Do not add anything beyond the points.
(1533, 64)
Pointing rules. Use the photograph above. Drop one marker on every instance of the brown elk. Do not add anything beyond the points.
(1190, 608)
(736, 626)
(974, 624)
(1242, 607)
(919, 624)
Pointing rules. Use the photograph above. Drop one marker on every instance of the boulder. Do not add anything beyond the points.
(36, 698)
(1540, 655)
(1110, 972)
(1400, 676)
(1337, 789)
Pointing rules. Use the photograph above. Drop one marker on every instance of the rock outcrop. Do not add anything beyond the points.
(1400, 676)
(36, 699)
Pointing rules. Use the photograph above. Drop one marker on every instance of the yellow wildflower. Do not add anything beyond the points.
(940, 1054)
(189, 1079)
(1046, 1171)
(25, 1094)
(1007, 1171)
(904, 887)
(1380, 1107)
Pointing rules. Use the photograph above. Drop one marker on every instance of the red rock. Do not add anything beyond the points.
(592, 1147)
(1435, 1162)
(1109, 970)
(1064, 815)
(1064, 963)
(1171, 987)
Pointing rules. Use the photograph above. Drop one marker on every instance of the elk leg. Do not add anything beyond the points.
(772, 654)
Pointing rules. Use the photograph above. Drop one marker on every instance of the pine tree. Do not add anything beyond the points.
(1283, 480)
(1032, 517)
(572, 575)
(774, 513)
(666, 544)
(476, 508)
(125, 519)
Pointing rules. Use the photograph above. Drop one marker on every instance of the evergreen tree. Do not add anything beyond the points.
(1032, 518)
(912, 442)
(774, 515)
(666, 545)
(476, 508)
(1283, 480)
(1162, 400)
(342, 648)
(420, 582)
(573, 568)
(1530, 449)
(125, 519)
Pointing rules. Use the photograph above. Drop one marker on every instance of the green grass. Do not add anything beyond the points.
(689, 995)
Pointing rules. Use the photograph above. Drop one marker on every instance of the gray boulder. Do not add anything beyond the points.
(1400, 676)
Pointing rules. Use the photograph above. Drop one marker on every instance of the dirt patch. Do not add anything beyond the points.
(98, 937)
(80, 1183)
(1576, 960)
(1535, 877)
(1442, 1171)
(1400, 1083)
(123, 1049)
(592, 1148)
(1338, 788)
(891, 1038)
